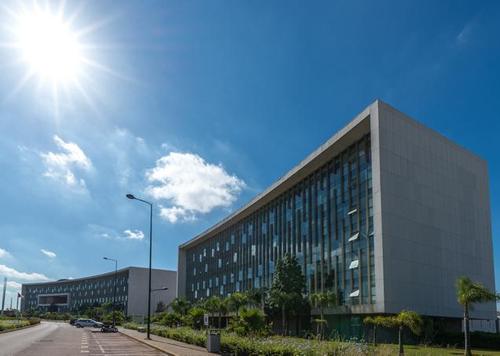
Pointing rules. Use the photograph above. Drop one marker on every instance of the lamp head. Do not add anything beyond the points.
(130, 196)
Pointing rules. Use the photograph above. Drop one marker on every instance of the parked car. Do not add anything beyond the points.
(72, 321)
(107, 328)
(81, 323)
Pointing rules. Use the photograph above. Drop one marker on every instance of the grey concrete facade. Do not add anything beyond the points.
(434, 217)
(431, 209)
(138, 289)
(80, 293)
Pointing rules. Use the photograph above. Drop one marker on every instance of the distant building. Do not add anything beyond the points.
(75, 295)
(387, 214)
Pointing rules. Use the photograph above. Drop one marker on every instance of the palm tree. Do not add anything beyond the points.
(405, 319)
(180, 306)
(213, 305)
(468, 293)
(375, 322)
(237, 300)
(322, 300)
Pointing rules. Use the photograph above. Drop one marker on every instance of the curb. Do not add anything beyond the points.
(142, 341)
(16, 329)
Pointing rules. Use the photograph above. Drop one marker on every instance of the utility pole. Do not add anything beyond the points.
(3, 295)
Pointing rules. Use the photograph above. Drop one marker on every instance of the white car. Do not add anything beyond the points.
(81, 323)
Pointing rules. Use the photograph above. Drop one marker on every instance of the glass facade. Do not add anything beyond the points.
(325, 220)
(76, 295)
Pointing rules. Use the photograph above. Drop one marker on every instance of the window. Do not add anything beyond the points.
(235, 257)
(354, 264)
(219, 263)
(354, 237)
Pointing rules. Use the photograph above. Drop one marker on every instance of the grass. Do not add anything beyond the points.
(292, 346)
(413, 350)
(12, 324)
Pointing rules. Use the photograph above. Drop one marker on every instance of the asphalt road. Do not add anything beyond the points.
(61, 339)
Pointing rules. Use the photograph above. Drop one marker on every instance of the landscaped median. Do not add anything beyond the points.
(273, 345)
(13, 324)
(290, 346)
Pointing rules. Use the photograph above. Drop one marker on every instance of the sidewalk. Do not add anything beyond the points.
(169, 346)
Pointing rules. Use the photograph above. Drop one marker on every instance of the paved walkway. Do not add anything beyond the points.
(169, 346)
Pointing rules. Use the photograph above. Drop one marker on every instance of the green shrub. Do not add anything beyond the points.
(233, 344)
(249, 321)
(195, 317)
(13, 324)
(171, 319)
(119, 318)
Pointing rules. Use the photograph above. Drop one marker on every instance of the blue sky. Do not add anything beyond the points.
(200, 105)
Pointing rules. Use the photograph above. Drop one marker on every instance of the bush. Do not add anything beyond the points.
(119, 318)
(195, 318)
(480, 339)
(270, 346)
(249, 321)
(171, 319)
(13, 324)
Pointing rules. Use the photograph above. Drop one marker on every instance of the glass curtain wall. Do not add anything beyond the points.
(326, 221)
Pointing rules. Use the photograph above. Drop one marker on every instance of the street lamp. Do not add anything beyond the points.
(114, 287)
(131, 196)
(157, 289)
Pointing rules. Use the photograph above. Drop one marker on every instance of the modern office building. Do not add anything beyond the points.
(75, 295)
(387, 213)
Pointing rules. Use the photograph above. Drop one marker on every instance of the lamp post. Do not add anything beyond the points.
(114, 287)
(131, 196)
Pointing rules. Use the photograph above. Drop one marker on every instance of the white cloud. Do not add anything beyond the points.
(12, 273)
(134, 234)
(13, 285)
(191, 186)
(4, 253)
(111, 234)
(61, 165)
(48, 253)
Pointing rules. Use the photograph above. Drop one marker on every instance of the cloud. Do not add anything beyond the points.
(12, 273)
(134, 234)
(48, 253)
(61, 166)
(191, 186)
(13, 285)
(4, 253)
(111, 234)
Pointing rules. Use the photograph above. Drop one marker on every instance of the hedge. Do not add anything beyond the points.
(270, 346)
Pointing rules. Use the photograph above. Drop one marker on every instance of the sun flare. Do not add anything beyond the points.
(55, 51)
(48, 46)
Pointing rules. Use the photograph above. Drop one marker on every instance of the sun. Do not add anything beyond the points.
(54, 51)
(48, 46)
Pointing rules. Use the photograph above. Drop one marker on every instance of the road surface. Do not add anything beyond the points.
(62, 339)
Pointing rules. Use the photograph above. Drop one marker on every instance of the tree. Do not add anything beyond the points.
(322, 300)
(195, 317)
(405, 319)
(216, 305)
(468, 293)
(237, 300)
(160, 307)
(250, 321)
(180, 306)
(256, 297)
(375, 322)
(287, 288)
